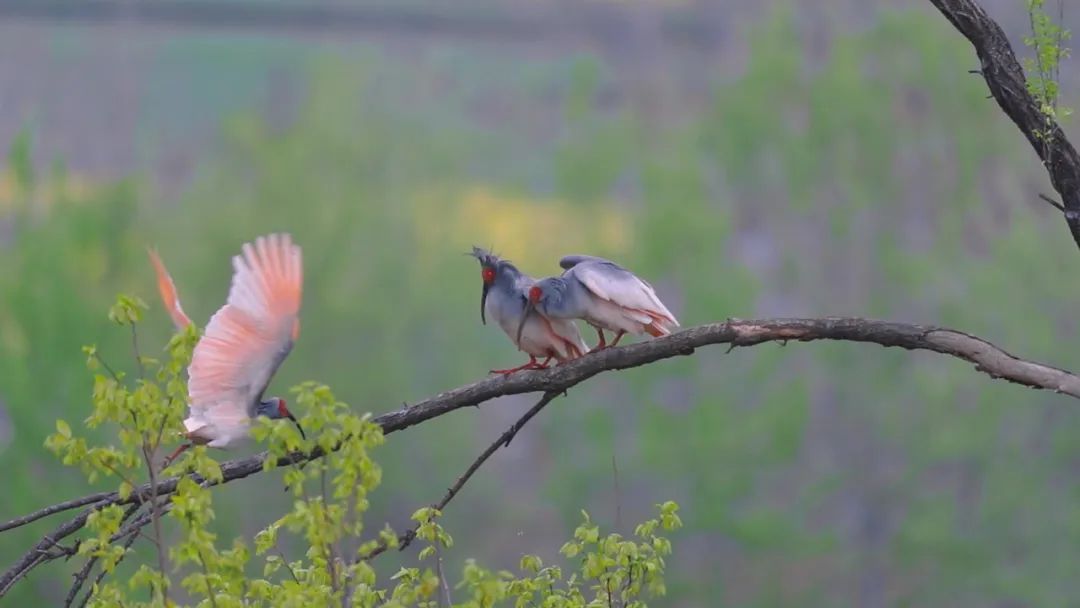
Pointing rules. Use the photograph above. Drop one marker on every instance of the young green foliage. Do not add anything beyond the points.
(146, 413)
(1047, 39)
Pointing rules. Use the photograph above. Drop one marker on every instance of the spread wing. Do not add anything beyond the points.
(619, 286)
(248, 338)
(168, 292)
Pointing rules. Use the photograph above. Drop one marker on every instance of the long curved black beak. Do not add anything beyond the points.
(483, 300)
(530, 308)
(298, 427)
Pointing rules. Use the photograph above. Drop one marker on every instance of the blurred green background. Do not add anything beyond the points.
(749, 159)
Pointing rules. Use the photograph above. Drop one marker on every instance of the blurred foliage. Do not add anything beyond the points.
(874, 180)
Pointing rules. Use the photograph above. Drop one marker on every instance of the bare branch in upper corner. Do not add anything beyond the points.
(1008, 85)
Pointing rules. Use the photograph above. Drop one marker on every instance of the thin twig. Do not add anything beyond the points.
(140, 522)
(1052, 202)
(618, 498)
(135, 350)
(84, 572)
(504, 440)
(206, 579)
(132, 532)
(161, 429)
(288, 566)
(627, 585)
(445, 597)
(34, 556)
(119, 474)
(101, 574)
(330, 552)
(149, 451)
(107, 367)
(59, 507)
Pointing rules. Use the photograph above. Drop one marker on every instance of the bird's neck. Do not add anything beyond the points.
(561, 301)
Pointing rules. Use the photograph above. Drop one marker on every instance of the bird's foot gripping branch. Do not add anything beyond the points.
(317, 552)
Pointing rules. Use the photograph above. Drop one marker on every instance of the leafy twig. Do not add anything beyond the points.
(101, 574)
(84, 572)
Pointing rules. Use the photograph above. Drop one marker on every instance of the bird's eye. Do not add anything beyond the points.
(535, 293)
(488, 274)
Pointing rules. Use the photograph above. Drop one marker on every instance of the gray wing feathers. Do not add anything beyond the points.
(570, 261)
(620, 286)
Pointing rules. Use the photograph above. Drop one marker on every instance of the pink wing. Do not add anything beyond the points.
(168, 292)
(248, 338)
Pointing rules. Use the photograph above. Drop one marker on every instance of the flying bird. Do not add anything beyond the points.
(604, 295)
(504, 299)
(243, 345)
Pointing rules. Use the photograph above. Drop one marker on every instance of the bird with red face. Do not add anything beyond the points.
(604, 295)
(504, 300)
(244, 343)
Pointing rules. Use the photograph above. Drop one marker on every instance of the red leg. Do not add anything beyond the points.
(544, 365)
(602, 343)
(618, 337)
(172, 457)
(532, 364)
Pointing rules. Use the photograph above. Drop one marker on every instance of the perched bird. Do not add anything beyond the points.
(504, 300)
(243, 345)
(604, 295)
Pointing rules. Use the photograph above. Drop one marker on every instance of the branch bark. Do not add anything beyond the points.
(1008, 85)
(986, 358)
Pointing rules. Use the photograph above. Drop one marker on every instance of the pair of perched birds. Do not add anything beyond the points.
(247, 339)
(539, 316)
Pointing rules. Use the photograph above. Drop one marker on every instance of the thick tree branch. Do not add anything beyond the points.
(1005, 77)
(986, 358)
